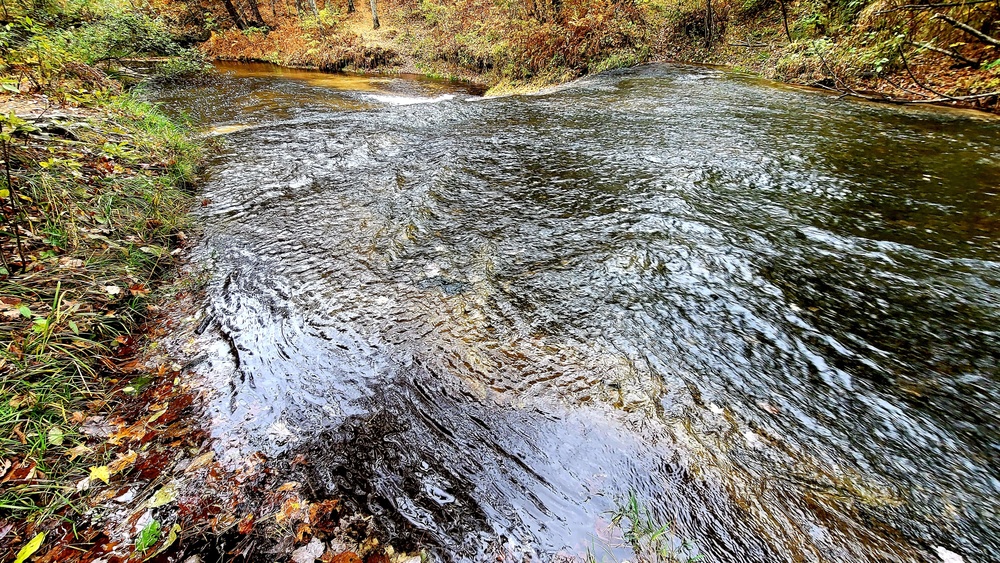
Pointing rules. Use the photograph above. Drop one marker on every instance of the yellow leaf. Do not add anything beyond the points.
(165, 495)
(123, 461)
(55, 436)
(77, 451)
(157, 415)
(288, 510)
(102, 473)
(172, 536)
(30, 548)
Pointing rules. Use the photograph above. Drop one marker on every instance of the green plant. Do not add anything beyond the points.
(648, 539)
(813, 25)
(119, 37)
(148, 537)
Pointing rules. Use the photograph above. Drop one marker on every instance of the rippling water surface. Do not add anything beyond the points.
(770, 314)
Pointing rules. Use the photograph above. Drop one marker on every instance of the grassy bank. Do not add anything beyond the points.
(94, 194)
(882, 50)
(94, 207)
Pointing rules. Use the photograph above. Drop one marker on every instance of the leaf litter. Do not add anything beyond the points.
(163, 494)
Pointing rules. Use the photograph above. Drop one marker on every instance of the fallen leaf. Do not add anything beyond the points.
(67, 262)
(77, 417)
(30, 548)
(157, 415)
(122, 461)
(55, 436)
(138, 290)
(77, 451)
(302, 532)
(96, 426)
(20, 435)
(112, 289)
(347, 557)
(136, 432)
(102, 473)
(24, 400)
(289, 486)
(289, 509)
(246, 524)
(201, 461)
(166, 495)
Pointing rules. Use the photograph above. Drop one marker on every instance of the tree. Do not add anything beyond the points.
(259, 19)
(350, 6)
(234, 14)
(784, 19)
(375, 24)
(708, 23)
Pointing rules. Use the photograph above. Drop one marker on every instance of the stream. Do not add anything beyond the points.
(769, 315)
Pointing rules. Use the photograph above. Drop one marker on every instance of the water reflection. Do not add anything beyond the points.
(769, 313)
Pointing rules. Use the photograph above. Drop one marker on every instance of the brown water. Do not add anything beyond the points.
(770, 314)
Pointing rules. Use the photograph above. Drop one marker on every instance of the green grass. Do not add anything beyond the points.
(97, 246)
(648, 539)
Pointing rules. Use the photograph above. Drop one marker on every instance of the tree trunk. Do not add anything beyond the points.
(375, 24)
(350, 6)
(784, 19)
(315, 10)
(255, 10)
(237, 19)
(708, 23)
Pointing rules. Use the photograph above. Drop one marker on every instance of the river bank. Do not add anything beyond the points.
(107, 454)
(96, 195)
(878, 50)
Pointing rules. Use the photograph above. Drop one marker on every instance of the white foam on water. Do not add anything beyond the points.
(410, 100)
(948, 556)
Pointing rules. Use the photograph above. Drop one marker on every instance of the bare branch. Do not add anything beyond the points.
(916, 80)
(968, 29)
(921, 7)
(947, 52)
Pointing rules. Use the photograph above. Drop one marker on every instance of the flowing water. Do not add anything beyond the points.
(769, 314)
